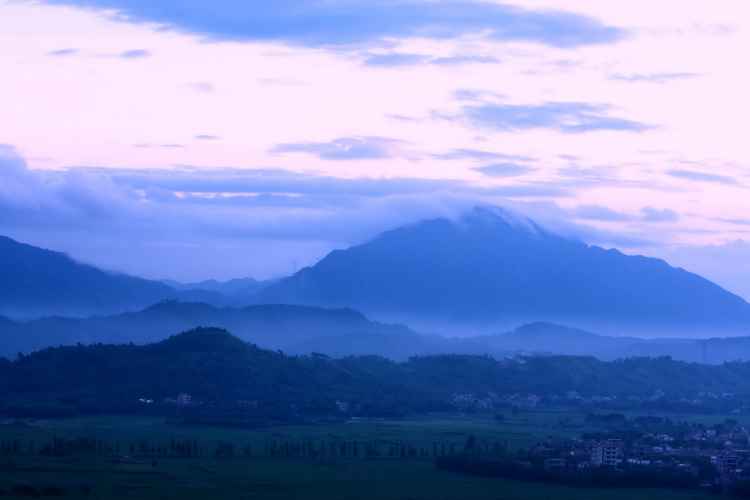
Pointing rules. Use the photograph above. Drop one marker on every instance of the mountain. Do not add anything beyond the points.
(492, 269)
(269, 326)
(37, 282)
(239, 289)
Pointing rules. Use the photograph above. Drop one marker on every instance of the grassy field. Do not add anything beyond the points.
(259, 477)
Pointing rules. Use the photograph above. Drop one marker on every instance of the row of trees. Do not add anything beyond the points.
(335, 449)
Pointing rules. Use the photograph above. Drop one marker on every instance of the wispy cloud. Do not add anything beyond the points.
(475, 95)
(204, 137)
(395, 59)
(538, 190)
(580, 177)
(692, 175)
(477, 154)
(346, 148)
(653, 77)
(565, 117)
(505, 169)
(739, 222)
(63, 52)
(651, 214)
(202, 86)
(453, 60)
(600, 213)
(135, 54)
(280, 82)
(315, 23)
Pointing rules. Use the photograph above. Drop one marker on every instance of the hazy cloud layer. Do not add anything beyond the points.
(85, 197)
(157, 223)
(341, 22)
(566, 117)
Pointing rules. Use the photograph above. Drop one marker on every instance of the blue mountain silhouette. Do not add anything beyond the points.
(493, 267)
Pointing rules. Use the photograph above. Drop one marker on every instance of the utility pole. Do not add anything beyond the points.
(294, 267)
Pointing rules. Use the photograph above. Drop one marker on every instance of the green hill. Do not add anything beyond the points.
(217, 368)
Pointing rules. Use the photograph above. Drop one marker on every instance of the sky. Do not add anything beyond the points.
(195, 139)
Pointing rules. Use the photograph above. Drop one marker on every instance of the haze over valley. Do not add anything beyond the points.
(490, 282)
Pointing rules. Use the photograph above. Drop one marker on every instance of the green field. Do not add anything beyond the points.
(302, 478)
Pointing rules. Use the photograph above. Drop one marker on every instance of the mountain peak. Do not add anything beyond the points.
(492, 266)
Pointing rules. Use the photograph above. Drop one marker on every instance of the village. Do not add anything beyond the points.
(720, 455)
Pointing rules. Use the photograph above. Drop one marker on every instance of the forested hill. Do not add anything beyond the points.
(214, 366)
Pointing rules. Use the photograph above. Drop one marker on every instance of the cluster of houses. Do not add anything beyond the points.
(725, 450)
(182, 399)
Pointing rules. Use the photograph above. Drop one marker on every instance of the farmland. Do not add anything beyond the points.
(250, 471)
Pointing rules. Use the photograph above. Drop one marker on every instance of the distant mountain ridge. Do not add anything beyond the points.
(38, 282)
(35, 282)
(238, 289)
(533, 340)
(340, 333)
(270, 326)
(492, 267)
